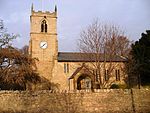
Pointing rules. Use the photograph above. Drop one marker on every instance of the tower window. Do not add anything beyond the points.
(44, 26)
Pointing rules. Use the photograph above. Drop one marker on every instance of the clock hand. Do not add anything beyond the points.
(43, 44)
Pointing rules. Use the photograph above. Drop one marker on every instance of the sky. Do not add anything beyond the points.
(132, 16)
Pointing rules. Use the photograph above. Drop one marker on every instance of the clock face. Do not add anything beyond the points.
(43, 45)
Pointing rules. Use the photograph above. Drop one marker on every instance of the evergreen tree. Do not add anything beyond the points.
(141, 56)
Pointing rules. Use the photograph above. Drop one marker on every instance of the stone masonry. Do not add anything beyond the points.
(100, 101)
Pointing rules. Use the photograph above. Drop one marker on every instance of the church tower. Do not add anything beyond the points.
(43, 40)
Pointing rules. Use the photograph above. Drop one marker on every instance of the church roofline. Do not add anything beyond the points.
(86, 57)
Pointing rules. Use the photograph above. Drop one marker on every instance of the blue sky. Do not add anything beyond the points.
(133, 17)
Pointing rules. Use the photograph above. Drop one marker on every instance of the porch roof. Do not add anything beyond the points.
(78, 70)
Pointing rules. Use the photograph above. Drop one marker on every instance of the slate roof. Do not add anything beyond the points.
(86, 57)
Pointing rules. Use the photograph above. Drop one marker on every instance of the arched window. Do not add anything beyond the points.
(44, 26)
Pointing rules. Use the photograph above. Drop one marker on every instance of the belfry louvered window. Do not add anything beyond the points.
(44, 26)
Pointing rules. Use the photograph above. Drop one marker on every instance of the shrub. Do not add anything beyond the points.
(114, 86)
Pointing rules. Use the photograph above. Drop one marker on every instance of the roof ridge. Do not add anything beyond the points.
(80, 57)
(71, 52)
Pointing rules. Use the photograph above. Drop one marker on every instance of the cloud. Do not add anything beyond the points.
(132, 15)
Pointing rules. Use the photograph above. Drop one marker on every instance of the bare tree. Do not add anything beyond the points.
(120, 45)
(25, 50)
(103, 45)
(5, 38)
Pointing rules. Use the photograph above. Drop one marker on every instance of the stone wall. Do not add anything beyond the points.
(99, 101)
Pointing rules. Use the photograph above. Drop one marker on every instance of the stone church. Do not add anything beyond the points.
(64, 68)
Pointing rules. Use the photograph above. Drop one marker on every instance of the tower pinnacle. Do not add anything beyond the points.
(55, 8)
(32, 8)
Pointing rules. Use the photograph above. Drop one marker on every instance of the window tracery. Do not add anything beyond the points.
(44, 26)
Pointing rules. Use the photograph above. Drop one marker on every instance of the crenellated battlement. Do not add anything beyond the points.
(43, 13)
(46, 13)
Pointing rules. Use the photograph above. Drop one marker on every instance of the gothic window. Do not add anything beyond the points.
(117, 75)
(66, 68)
(44, 26)
(106, 75)
(96, 74)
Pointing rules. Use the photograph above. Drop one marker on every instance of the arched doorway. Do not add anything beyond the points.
(84, 82)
